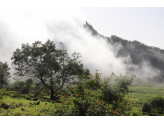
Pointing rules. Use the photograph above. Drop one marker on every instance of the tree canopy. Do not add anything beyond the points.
(50, 66)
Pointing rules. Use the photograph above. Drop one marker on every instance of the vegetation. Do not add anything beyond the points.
(4, 74)
(89, 96)
(51, 66)
(137, 51)
(77, 101)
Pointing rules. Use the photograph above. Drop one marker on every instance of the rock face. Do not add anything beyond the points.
(146, 108)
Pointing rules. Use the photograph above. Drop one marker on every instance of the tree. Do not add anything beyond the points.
(50, 66)
(28, 83)
(4, 74)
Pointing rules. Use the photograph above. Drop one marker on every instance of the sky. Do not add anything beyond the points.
(21, 24)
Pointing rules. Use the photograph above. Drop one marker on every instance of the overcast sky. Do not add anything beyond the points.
(142, 24)
(26, 25)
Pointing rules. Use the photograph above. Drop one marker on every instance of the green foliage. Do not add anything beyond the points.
(113, 96)
(108, 101)
(4, 74)
(27, 96)
(45, 92)
(123, 83)
(16, 94)
(136, 113)
(156, 104)
(33, 86)
(40, 97)
(92, 84)
(31, 95)
(44, 61)
(19, 84)
(10, 89)
(28, 84)
(110, 95)
(38, 92)
(59, 93)
(38, 86)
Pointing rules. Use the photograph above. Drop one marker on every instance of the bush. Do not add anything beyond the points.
(157, 104)
(110, 95)
(93, 84)
(16, 94)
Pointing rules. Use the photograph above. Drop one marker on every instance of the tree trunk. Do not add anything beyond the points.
(52, 94)
(1, 85)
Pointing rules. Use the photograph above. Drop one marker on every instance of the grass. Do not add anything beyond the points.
(141, 93)
(138, 95)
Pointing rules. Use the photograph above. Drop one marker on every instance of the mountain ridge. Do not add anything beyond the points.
(138, 52)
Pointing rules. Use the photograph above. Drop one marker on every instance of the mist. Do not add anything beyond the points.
(21, 26)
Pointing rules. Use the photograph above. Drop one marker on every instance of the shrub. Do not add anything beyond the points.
(16, 95)
(92, 84)
(16, 92)
(110, 95)
(157, 104)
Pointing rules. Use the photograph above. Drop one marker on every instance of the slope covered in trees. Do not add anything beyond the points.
(137, 51)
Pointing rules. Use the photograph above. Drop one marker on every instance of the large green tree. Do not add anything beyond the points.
(4, 74)
(50, 66)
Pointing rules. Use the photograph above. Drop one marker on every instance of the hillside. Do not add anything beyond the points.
(137, 51)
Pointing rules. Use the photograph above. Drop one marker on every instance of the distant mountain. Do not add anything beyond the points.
(137, 51)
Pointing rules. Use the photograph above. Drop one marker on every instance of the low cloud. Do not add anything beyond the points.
(30, 25)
